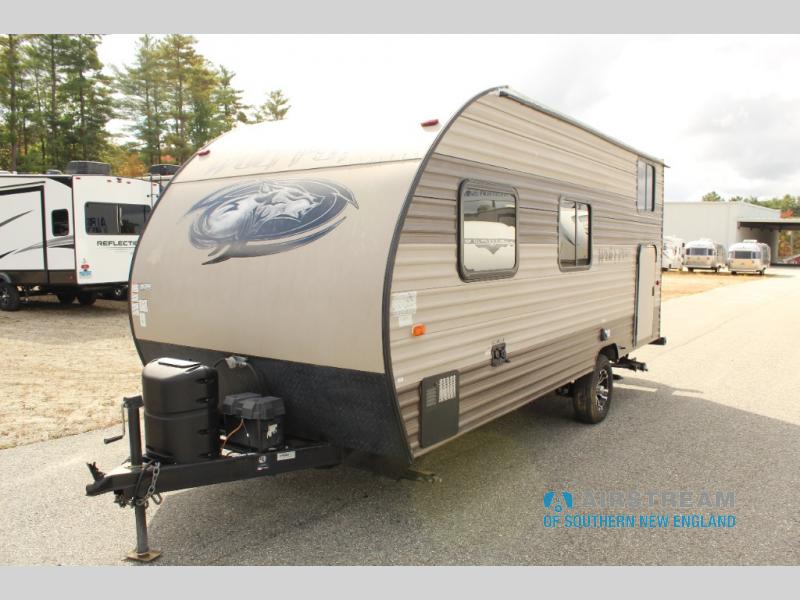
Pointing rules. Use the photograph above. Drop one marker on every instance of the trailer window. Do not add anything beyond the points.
(59, 221)
(488, 231)
(574, 234)
(645, 186)
(133, 218)
(745, 254)
(106, 218)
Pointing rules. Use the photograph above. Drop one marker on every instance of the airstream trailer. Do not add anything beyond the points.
(672, 253)
(749, 256)
(305, 292)
(704, 254)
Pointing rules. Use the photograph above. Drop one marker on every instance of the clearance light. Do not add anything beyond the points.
(430, 123)
(203, 152)
(418, 330)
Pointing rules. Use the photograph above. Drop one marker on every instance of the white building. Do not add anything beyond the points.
(725, 222)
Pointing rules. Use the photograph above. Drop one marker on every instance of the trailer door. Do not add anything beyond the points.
(645, 293)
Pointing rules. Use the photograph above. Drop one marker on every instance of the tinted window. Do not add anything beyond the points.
(60, 222)
(574, 234)
(106, 218)
(133, 218)
(488, 230)
(645, 186)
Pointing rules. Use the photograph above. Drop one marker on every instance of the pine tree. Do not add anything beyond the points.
(180, 59)
(142, 86)
(275, 108)
(10, 77)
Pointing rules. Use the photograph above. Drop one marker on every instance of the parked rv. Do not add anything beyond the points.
(159, 177)
(68, 235)
(672, 253)
(383, 287)
(749, 256)
(704, 254)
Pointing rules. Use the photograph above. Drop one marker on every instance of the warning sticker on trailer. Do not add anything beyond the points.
(404, 304)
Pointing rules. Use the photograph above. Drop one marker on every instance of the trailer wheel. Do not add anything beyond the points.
(66, 297)
(592, 393)
(9, 296)
(86, 298)
(691, 270)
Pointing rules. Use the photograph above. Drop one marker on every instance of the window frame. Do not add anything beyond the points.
(648, 168)
(465, 274)
(575, 266)
(52, 222)
(118, 215)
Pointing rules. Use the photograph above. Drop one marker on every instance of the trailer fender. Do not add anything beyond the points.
(612, 352)
(6, 278)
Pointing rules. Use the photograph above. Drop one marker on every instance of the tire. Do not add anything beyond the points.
(691, 270)
(9, 296)
(733, 272)
(66, 297)
(592, 393)
(87, 298)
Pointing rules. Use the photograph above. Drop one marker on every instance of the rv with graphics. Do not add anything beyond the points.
(672, 253)
(749, 256)
(704, 254)
(383, 288)
(70, 235)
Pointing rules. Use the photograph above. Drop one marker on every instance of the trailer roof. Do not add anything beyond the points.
(507, 92)
(322, 141)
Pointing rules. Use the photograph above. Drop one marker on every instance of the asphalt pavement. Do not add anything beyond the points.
(716, 417)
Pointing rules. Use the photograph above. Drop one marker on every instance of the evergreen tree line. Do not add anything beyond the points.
(55, 102)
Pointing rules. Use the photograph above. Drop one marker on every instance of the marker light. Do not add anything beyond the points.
(430, 123)
(203, 152)
(418, 330)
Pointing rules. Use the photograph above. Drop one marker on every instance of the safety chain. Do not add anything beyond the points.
(149, 494)
(151, 489)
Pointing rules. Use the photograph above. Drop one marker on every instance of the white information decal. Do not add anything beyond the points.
(404, 307)
(143, 319)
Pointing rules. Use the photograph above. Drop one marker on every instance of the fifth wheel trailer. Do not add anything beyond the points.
(383, 287)
(69, 235)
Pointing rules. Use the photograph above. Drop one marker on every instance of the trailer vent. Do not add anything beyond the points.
(438, 413)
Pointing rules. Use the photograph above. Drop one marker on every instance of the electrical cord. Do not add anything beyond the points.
(228, 435)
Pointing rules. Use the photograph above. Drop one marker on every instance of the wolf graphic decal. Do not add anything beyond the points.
(267, 216)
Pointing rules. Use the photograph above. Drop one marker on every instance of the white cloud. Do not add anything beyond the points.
(721, 110)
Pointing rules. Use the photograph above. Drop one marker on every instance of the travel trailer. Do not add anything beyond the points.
(749, 256)
(704, 254)
(68, 235)
(305, 293)
(672, 253)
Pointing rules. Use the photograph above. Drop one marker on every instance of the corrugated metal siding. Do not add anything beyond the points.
(549, 319)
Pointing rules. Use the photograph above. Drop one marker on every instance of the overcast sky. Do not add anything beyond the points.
(723, 111)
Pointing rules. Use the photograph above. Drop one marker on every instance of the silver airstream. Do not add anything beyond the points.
(704, 254)
(749, 256)
(672, 253)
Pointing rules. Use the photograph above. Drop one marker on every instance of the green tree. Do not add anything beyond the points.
(87, 92)
(180, 59)
(142, 88)
(228, 103)
(10, 80)
(712, 197)
(275, 108)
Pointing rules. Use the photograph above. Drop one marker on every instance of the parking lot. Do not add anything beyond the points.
(717, 411)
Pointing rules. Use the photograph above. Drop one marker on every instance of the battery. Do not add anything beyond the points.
(253, 422)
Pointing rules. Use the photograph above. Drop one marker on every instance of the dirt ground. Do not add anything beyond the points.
(64, 369)
(683, 283)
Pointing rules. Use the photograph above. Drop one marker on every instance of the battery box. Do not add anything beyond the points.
(253, 422)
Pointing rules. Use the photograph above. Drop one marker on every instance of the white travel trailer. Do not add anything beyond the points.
(749, 256)
(704, 254)
(672, 253)
(389, 284)
(69, 235)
